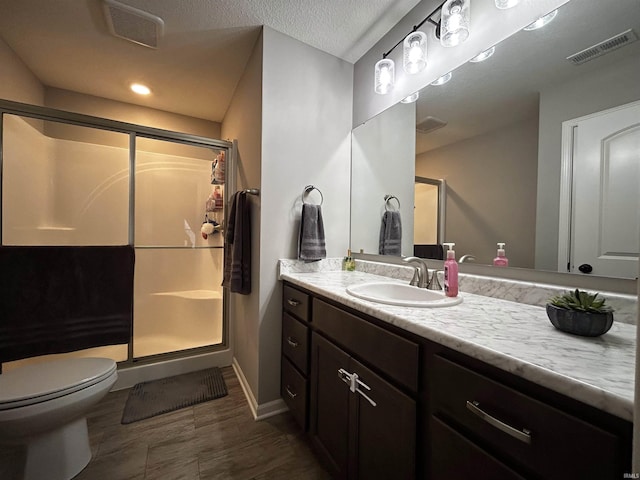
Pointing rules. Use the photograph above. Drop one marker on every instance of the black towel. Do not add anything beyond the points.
(311, 242)
(390, 234)
(237, 252)
(56, 299)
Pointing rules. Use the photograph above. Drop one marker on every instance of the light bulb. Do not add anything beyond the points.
(542, 21)
(482, 56)
(414, 52)
(411, 98)
(140, 89)
(504, 4)
(443, 79)
(384, 76)
(454, 22)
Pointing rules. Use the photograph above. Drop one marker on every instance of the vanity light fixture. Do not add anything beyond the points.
(443, 79)
(482, 56)
(384, 76)
(414, 49)
(411, 98)
(140, 89)
(504, 4)
(454, 22)
(542, 21)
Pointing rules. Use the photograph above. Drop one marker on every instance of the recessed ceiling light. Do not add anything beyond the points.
(542, 21)
(484, 55)
(140, 89)
(411, 98)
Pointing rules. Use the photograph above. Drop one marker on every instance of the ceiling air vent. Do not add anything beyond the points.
(132, 24)
(429, 124)
(620, 40)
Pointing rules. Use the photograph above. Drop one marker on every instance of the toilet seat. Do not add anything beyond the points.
(45, 381)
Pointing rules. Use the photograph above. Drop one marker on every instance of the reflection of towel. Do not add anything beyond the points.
(311, 245)
(56, 299)
(237, 252)
(390, 234)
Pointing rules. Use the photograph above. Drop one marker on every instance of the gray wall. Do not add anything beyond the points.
(600, 90)
(491, 191)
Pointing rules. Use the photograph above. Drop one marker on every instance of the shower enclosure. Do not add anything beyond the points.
(70, 179)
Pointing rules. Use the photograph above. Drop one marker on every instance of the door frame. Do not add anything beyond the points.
(442, 201)
(565, 221)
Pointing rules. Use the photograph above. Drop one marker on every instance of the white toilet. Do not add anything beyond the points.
(43, 406)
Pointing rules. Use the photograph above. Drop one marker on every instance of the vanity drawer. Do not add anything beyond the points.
(537, 437)
(295, 302)
(295, 342)
(293, 389)
(395, 356)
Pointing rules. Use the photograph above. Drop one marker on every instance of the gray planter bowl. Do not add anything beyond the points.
(580, 323)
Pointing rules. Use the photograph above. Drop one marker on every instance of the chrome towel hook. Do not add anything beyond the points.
(387, 199)
(308, 189)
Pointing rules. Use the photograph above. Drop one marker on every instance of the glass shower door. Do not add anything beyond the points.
(178, 298)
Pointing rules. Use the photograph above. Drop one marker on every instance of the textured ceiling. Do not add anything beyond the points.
(200, 58)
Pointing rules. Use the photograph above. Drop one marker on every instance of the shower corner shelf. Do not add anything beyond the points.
(192, 294)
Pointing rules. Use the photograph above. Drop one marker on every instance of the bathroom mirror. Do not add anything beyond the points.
(494, 134)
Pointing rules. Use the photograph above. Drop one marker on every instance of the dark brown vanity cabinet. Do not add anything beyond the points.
(294, 379)
(363, 426)
(382, 403)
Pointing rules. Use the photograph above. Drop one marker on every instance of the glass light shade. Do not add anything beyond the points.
(414, 50)
(384, 76)
(504, 4)
(481, 57)
(443, 79)
(411, 98)
(542, 21)
(454, 22)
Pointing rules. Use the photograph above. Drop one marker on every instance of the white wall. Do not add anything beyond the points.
(489, 26)
(491, 191)
(600, 90)
(17, 82)
(383, 163)
(307, 98)
(243, 122)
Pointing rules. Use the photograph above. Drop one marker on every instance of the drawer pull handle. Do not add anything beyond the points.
(523, 435)
(289, 392)
(293, 302)
(292, 342)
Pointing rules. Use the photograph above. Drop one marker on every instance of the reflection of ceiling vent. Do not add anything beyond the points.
(132, 24)
(620, 40)
(429, 124)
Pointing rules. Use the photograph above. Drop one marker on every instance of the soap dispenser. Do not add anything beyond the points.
(450, 272)
(501, 260)
(348, 263)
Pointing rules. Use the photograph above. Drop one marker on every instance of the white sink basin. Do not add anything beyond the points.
(402, 294)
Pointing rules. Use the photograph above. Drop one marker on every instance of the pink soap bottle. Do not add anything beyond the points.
(501, 260)
(450, 272)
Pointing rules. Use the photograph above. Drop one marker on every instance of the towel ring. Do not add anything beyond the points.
(310, 188)
(387, 199)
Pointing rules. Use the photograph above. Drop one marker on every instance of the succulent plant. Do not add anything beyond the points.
(581, 301)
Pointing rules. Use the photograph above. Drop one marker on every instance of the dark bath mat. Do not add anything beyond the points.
(148, 399)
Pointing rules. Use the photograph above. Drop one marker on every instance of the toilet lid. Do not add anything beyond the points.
(44, 381)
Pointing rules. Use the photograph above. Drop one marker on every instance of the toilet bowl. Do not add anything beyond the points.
(43, 407)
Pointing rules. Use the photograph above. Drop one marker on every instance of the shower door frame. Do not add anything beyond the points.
(133, 131)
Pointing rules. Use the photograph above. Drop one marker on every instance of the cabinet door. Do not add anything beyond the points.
(384, 445)
(329, 427)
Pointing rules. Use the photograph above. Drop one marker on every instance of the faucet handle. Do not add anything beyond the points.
(434, 282)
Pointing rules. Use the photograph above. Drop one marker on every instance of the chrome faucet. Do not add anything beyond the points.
(421, 273)
(466, 258)
(434, 283)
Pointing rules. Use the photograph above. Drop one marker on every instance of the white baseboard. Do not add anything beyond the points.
(259, 412)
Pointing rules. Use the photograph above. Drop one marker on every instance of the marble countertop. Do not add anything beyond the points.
(514, 337)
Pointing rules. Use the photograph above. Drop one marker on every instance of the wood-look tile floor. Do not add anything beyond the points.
(212, 440)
